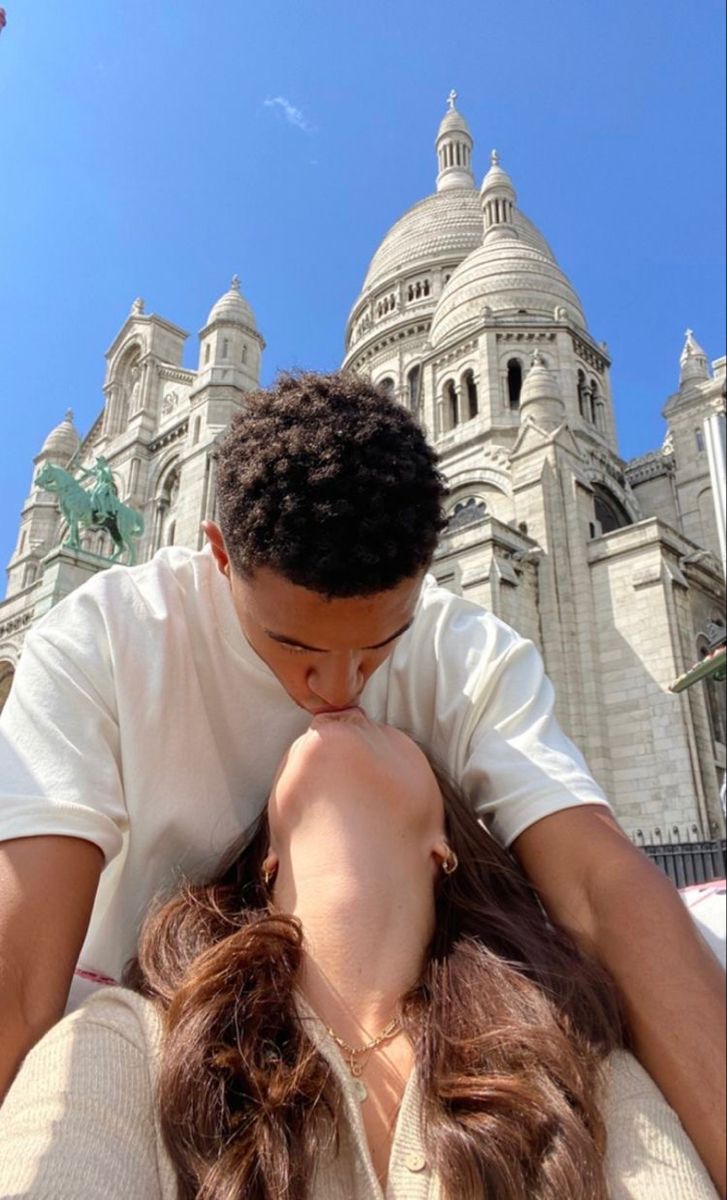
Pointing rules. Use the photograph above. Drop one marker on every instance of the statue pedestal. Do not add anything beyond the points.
(64, 570)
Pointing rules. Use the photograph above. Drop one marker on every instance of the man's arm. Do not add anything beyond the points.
(621, 908)
(47, 889)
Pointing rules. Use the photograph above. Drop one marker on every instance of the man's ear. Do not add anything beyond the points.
(213, 533)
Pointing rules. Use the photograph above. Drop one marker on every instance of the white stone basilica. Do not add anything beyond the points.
(611, 567)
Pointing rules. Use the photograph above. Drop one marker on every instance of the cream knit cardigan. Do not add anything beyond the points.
(80, 1123)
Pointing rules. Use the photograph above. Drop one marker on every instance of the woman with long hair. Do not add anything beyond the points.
(366, 1001)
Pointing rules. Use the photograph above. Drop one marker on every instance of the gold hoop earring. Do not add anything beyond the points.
(450, 862)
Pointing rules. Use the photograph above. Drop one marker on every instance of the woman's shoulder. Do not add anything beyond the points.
(85, 1094)
(110, 1016)
(120, 1011)
(113, 1030)
(626, 1079)
(648, 1155)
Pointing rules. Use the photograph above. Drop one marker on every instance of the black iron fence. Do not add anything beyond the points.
(687, 863)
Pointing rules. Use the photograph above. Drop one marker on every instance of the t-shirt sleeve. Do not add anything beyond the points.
(59, 740)
(491, 716)
(520, 765)
(79, 1120)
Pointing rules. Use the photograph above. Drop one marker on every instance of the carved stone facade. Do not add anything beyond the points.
(157, 429)
(611, 567)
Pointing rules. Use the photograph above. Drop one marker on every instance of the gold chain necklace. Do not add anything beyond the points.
(354, 1052)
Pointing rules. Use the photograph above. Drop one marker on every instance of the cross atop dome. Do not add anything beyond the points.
(454, 149)
(693, 363)
(235, 283)
(494, 158)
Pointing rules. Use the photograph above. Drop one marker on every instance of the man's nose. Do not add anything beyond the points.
(337, 680)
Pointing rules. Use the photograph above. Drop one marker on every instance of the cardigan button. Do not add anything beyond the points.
(415, 1162)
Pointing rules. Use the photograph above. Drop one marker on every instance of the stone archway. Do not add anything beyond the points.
(7, 671)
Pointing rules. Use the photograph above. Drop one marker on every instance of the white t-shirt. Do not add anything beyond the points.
(141, 720)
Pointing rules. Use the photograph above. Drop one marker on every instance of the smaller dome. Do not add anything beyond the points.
(233, 308)
(62, 442)
(509, 277)
(454, 150)
(496, 177)
(693, 364)
(453, 122)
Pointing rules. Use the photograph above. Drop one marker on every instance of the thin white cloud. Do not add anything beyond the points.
(292, 114)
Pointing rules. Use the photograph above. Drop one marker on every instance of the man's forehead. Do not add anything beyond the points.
(294, 615)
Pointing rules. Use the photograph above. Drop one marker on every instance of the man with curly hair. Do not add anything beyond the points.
(151, 706)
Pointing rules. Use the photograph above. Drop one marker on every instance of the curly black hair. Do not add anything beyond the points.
(328, 481)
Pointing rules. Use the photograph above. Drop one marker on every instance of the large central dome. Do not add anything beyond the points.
(415, 260)
(444, 226)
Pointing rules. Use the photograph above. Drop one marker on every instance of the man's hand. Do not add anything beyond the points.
(47, 889)
(622, 909)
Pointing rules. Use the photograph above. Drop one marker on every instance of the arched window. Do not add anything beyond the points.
(597, 407)
(387, 387)
(243, 354)
(225, 347)
(699, 440)
(207, 351)
(610, 513)
(166, 509)
(594, 402)
(470, 389)
(514, 382)
(582, 395)
(195, 430)
(412, 383)
(466, 512)
(7, 672)
(451, 412)
(124, 392)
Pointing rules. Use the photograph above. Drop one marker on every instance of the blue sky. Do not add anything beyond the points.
(154, 147)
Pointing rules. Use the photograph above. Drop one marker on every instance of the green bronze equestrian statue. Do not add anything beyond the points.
(95, 508)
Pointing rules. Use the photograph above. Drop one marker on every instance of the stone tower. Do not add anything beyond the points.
(157, 430)
(39, 518)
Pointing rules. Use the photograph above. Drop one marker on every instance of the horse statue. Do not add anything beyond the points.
(80, 506)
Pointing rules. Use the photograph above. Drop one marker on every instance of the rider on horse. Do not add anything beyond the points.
(105, 495)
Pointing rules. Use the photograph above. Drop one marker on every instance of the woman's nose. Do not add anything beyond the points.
(337, 680)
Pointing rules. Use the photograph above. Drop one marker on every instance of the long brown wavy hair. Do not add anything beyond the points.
(510, 1024)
